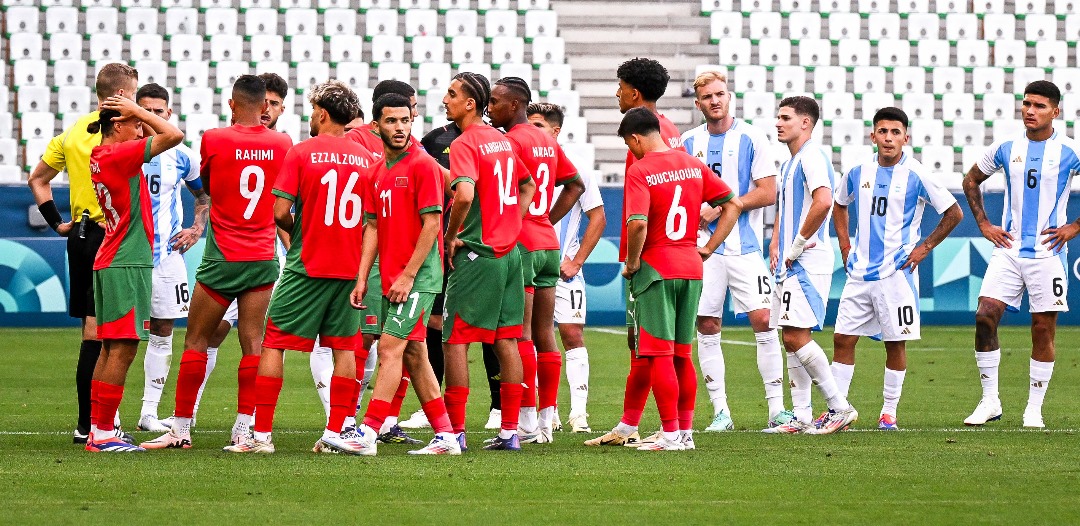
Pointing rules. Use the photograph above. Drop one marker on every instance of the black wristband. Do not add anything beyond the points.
(51, 214)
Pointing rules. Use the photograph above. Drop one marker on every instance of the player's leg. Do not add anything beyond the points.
(431, 401)
(81, 251)
(570, 316)
(419, 420)
(491, 372)
(1002, 288)
(710, 354)
(843, 364)
(252, 306)
(857, 315)
(267, 392)
(548, 357)
(656, 312)
(220, 333)
(897, 316)
(638, 380)
(156, 366)
(507, 283)
(750, 284)
(322, 369)
(206, 313)
(895, 371)
(527, 416)
(1041, 367)
(687, 296)
(108, 391)
(799, 381)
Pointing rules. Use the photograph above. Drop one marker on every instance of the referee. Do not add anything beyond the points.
(70, 152)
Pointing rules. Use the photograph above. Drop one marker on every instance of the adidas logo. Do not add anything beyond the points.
(159, 381)
(1038, 385)
(320, 385)
(905, 331)
(582, 387)
(1018, 159)
(791, 385)
(447, 150)
(699, 154)
(866, 185)
(184, 308)
(778, 381)
(708, 378)
(983, 377)
(577, 314)
(784, 317)
(1059, 302)
(766, 301)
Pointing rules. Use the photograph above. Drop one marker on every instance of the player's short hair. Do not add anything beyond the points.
(113, 77)
(275, 84)
(518, 86)
(339, 101)
(389, 100)
(552, 113)
(392, 86)
(1046, 89)
(645, 75)
(477, 88)
(640, 121)
(152, 91)
(104, 123)
(804, 106)
(891, 113)
(706, 77)
(249, 90)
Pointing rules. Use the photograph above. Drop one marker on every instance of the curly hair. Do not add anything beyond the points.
(645, 75)
(339, 101)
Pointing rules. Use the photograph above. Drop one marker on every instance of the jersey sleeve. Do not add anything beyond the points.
(844, 193)
(287, 184)
(566, 170)
(463, 163)
(934, 192)
(54, 152)
(369, 192)
(205, 155)
(714, 190)
(762, 165)
(187, 164)
(818, 170)
(591, 198)
(994, 158)
(635, 197)
(521, 169)
(429, 186)
(129, 156)
(688, 140)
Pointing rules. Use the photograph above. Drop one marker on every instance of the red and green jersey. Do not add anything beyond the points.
(405, 189)
(673, 138)
(485, 158)
(240, 164)
(367, 137)
(666, 189)
(550, 167)
(116, 171)
(325, 178)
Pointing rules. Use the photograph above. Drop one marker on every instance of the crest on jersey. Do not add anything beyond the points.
(401, 182)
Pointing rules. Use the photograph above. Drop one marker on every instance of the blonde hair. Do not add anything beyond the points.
(706, 77)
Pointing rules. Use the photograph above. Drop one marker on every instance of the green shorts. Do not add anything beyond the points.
(485, 298)
(122, 302)
(665, 311)
(408, 321)
(303, 308)
(373, 316)
(225, 280)
(540, 268)
(629, 299)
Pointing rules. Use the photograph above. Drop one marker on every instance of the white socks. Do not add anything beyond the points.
(322, 368)
(988, 372)
(211, 361)
(713, 369)
(528, 420)
(1040, 380)
(577, 376)
(817, 366)
(625, 430)
(181, 427)
(369, 370)
(156, 368)
(894, 385)
(800, 389)
(390, 422)
(546, 416)
(770, 362)
(842, 373)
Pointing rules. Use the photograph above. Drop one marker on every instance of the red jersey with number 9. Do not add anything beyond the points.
(116, 171)
(241, 164)
(326, 177)
(666, 189)
(485, 158)
(550, 167)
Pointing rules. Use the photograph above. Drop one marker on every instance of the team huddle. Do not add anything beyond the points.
(364, 244)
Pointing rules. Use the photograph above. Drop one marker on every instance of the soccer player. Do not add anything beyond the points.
(539, 246)
(1030, 251)
(570, 298)
(801, 256)
(403, 208)
(881, 296)
(485, 293)
(239, 166)
(276, 91)
(123, 265)
(165, 175)
(662, 200)
(642, 82)
(323, 178)
(739, 154)
(70, 152)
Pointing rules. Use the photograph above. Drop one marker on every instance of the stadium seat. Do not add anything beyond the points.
(774, 51)
(938, 158)
(998, 106)
(583, 155)
(570, 100)
(1067, 79)
(381, 22)
(433, 102)
(145, 47)
(893, 52)
(574, 130)
(1039, 27)
(933, 53)
(196, 100)
(789, 79)
(844, 25)
(548, 50)
(923, 26)
(501, 23)
(830, 79)
(765, 25)
(73, 99)
(428, 49)
(914, 6)
(735, 51)
(104, 47)
(838, 105)
(394, 71)
(1030, 7)
(873, 6)
(226, 47)
(836, 6)
(36, 147)
(172, 3)
(853, 52)
(220, 21)
(181, 20)
(290, 125)
(970, 155)
(38, 125)
(310, 73)
(9, 150)
(467, 50)
(24, 46)
(756, 5)
(957, 106)
(1072, 27)
(815, 52)
(59, 19)
(987, 80)
(973, 53)
(260, 21)
(481, 68)
(192, 73)
(186, 47)
(883, 26)
(1065, 7)
(872, 102)
(22, 19)
(333, 4)
(868, 79)
(301, 22)
(340, 22)
(555, 76)
(355, 74)
(306, 48)
(960, 25)
(848, 131)
(522, 71)
(1010, 53)
(1021, 77)
(460, 22)
(724, 25)
(195, 124)
(226, 73)
(998, 26)
(1070, 111)
(150, 71)
(948, 80)
(71, 73)
(421, 22)
(507, 50)
(10, 174)
(101, 20)
(388, 48)
(927, 132)
(141, 20)
(267, 47)
(33, 99)
(909, 79)
(65, 46)
(795, 6)
(918, 105)
(1051, 54)
(485, 5)
(746, 79)
(454, 4)
(968, 132)
(346, 48)
(30, 73)
(433, 78)
(414, 4)
(852, 155)
(541, 23)
(803, 25)
(988, 6)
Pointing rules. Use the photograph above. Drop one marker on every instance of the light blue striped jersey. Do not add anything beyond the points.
(165, 175)
(740, 156)
(889, 202)
(809, 169)
(1038, 177)
(568, 229)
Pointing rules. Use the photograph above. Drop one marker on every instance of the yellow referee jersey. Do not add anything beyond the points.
(70, 152)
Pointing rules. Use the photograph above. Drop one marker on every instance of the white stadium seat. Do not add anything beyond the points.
(999, 26)
(893, 52)
(774, 51)
(570, 100)
(22, 19)
(735, 51)
(555, 76)
(466, 49)
(757, 105)
(141, 20)
(948, 80)
(838, 105)
(1021, 77)
(101, 20)
(186, 47)
(38, 125)
(73, 99)
(310, 73)
(883, 26)
(197, 123)
(923, 26)
(1051, 54)
(988, 6)
(541, 23)
(574, 131)
(306, 48)
(844, 25)
(960, 26)
(724, 25)
(460, 22)
(968, 132)
(226, 73)
(301, 22)
(196, 100)
(804, 25)
(1030, 7)
(874, 101)
(71, 73)
(999, 106)
(918, 105)
(261, 21)
(1039, 27)
(414, 4)
(428, 49)
(522, 71)
(106, 47)
(548, 50)
(192, 73)
(226, 47)
(33, 99)
(24, 46)
(789, 79)
(501, 23)
(433, 78)
(848, 131)
(339, 22)
(709, 6)
(815, 52)
(394, 71)
(421, 22)
(973, 53)
(30, 73)
(507, 50)
(1067, 79)
(145, 47)
(909, 79)
(952, 6)
(853, 52)
(1010, 53)
(765, 25)
(220, 21)
(267, 47)
(868, 79)
(485, 5)
(933, 52)
(852, 155)
(793, 6)
(381, 22)
(747, 78)
(1072, 27)
(914, 6)
(60, 19)
(873, 6)
(181, 20)
(65, 46)
(987, 79)
(454, 4)
(829, 79)
(927, 132)
(346, 48)
(355, 74)
(151, 71)
(939, 159)
(388, 48)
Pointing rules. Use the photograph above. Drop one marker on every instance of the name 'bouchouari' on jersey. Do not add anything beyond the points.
(811, 168)
(740, 156)
(165, 177)
(889, 202)
(242, 163)
(1038, 179)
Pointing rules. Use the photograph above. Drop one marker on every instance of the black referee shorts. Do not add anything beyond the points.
(81, 253)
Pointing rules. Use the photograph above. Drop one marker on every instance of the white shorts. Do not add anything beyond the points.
(886, 309)
(1045, 279)
(745, 275)
(570, 301)
(171, 294)
(799, 302)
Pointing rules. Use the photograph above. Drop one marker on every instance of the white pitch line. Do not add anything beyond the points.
(606, 330)
(488, 432)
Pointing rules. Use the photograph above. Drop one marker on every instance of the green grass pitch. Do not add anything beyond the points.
(934, 471)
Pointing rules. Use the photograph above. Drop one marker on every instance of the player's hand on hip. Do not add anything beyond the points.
(568, 269)
(64, 229)
(774, 259)
(917, 256)
(356, 299)
(704, 253)
(185, 239)
(399, 291)
(1000, 237)
(1058, 237)
(452, 246)
(631, 268)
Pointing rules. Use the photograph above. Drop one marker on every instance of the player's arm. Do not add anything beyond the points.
(636, 204)
(40, 185)
(571, 192)
(948, 222)
(429, 231)
(761, 196)
(976, 175)
(841, 223)
(283, 216)
(464, 193)
(186, 238)
(820, 205)
(165, 136)
(526, 191)
(636, 228)
(369, 249)
(729, 215)
(597, 222)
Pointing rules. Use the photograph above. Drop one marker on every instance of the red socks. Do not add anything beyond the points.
(688, 383)
(435, 410)
(361, 361)
(548, 374)
(267, 390)
(456, 397)
(638, 383)
(510, 394)
(342, 389)
(399, 396)
(105, 399)
(665, 387)
(188, 381)
(376, 413)
(528, 369)
(245, 384)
